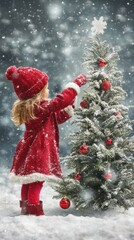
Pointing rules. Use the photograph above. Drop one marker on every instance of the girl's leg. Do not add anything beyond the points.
(24, 192)
(24, 199)
(34, 190)
(34, 206)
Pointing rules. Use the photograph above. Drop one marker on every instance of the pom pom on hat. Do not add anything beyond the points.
(27, 81)
(11, 72)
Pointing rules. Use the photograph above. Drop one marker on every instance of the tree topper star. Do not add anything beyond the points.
(98, 26)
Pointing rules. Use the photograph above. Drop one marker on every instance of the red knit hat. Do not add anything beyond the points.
(27, 81)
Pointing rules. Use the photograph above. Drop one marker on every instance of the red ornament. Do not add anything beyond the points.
(64, 203)
(105, 85)
(107, 175)
(117, 114)
(84, 104)
(108, 141)
(102, 62)
(83, 149)
(77, 176)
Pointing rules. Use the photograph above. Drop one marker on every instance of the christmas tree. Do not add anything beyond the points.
(101, 159)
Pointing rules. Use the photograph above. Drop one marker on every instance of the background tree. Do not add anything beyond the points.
(101, 159)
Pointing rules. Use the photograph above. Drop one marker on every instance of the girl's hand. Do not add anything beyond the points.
(81, 80)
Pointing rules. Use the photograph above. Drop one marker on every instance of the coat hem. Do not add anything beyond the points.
(33, 177)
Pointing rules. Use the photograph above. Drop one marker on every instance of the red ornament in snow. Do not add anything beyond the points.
(102, 62)
(83, 149)
(64, 203)
(77, 176)
(105, 85)
(107, 175)
(84, 104)
(108, 141)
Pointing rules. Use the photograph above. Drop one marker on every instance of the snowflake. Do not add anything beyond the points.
(98, 26)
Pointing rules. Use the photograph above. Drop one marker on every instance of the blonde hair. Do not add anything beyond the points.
(23, 110)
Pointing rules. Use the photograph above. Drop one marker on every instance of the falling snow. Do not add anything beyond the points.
(52, 36)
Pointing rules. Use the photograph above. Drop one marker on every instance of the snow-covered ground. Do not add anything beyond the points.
(59, 224)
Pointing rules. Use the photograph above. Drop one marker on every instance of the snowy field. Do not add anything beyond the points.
(59, 224)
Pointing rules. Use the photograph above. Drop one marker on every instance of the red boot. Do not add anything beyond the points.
(35, 209)
(23, 206)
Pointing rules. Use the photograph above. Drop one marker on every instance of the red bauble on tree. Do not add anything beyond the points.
(102, 62)
(118, 114)
(84, 103)
(105, 85)
(64, 203)
(108, 141)
(77, 176)
(84, 149)
(107, 175)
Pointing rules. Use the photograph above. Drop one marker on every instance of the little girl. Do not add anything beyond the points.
(37, 154)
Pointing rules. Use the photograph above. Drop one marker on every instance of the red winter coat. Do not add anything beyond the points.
(37, 153)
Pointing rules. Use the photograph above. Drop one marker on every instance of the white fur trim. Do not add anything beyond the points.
(75, 101)
(33, 177)
(69, 110)
(74, 86)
